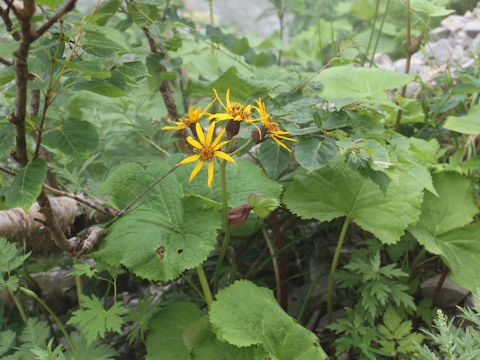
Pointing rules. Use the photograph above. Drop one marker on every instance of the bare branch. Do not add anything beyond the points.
(5, 61)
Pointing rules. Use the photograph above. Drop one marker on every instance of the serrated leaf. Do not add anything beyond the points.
(468, 124)
(101, 87)
(75, 138)
(94, 321)
(391, 319)
(164, 338)
(6, 340)
(336, 190)
(240, 46)
(27, 185)
(10, 256)
(443, 230)
(245, 314)
(7, 49)
(273, 158)
(346, 84)
(133, 69)
(422, 175)
(34, 333)
(430, 8)
(261, 206)
(313, 153)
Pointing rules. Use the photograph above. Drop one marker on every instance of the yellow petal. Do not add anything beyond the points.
(194, 143)
(220, 145)
(210, 173)
(200, 134)
(190, 112)
(189, 159)
(225, 156)
(282, 144)
(211, 129)
(183, 126)
(218, 138)
(228, 99)
(196, 170)
(285, 138)
(221, 117)
(206, 109)
(218, 97)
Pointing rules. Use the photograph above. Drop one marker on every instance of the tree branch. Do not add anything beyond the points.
(70, 5)
(5, 61)
(4, 14)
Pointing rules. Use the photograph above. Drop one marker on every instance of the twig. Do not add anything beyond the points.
(282, 262)
(276, 270)
(70, 5)
(5, 61)
(307, 80)
(436, 292)
(4, 14)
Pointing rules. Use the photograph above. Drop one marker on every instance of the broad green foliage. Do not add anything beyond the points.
(273, 158)
(345, 84)
(336, 190)
(430, 8)
(312, 154)
(6, 136)
(468, 124)
(34, 334)
(94, 321)
(74, 138)
(27, 184)
(87, 351)
(245, 314)
(443, 227)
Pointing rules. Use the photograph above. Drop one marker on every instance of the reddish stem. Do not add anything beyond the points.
(282, 262)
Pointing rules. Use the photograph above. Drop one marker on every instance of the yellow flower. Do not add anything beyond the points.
(272, 127)
(234, 111)
(206, 151)
(190, 119)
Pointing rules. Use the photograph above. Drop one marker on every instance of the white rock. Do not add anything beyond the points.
(450, 295)
(453, 22)
(472, 28)
(439, 33)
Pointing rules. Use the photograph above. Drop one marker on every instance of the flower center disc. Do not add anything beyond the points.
(207, 153)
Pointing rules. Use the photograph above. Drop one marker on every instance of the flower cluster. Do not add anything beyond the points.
(205, 150)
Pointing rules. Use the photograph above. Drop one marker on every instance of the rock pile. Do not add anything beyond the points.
(453, 44)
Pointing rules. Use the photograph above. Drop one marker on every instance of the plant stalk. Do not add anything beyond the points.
(226, 228)
(372, 32)
(18, 304)
(78, 283)
(333, 268)
(205, 287)
(276, 270)
(50, 311)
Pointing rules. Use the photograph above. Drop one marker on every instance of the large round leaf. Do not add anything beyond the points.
(74, 138)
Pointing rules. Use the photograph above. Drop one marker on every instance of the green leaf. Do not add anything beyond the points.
(336, 190)
(422, 175)
(273, 158)
(430, 8)
(49, 3)
(313, 153)
(240, 89)
(443, 230)
(35, 333)
(261, 206)
(10, 258)
(245, 314)
(345, 84)
(122, 185)
(27, 184)
(134, 69)
(164, 338)
(182, 228)
(91, 68)
(101, 87)
(6, 75)
(75, 138)
(240, 46)
(94, 321)
(469, 124)
(6, 340)
(88, 351)
(7, 137)
(7, 49)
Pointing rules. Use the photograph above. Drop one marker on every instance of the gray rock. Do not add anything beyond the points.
(440, 51)
(336, 314)
(469, 301)
(384, 61)
(453, 22)
(439, 33)
(450, 295)
(472, 28)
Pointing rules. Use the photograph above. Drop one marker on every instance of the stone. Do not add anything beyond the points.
(453, 22)
(336, 314)
(472, 28)
(384, 61)
(439, 51)
(450, 295)
(439, 33)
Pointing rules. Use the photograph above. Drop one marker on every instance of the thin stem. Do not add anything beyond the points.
(379, 32)
(371, 33)
(332, 30)
(333, 268)
(49, 310)
(226, 228)
(194, 287)
(205, 287)
(210, 8)
(281, 261)
(319, 31)
(78, 284)
(276, 271)
(415, 263)
(251, 273)
(18, 304)
(244, 145)
(439, 286)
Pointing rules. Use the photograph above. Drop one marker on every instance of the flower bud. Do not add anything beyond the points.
(238, 215)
